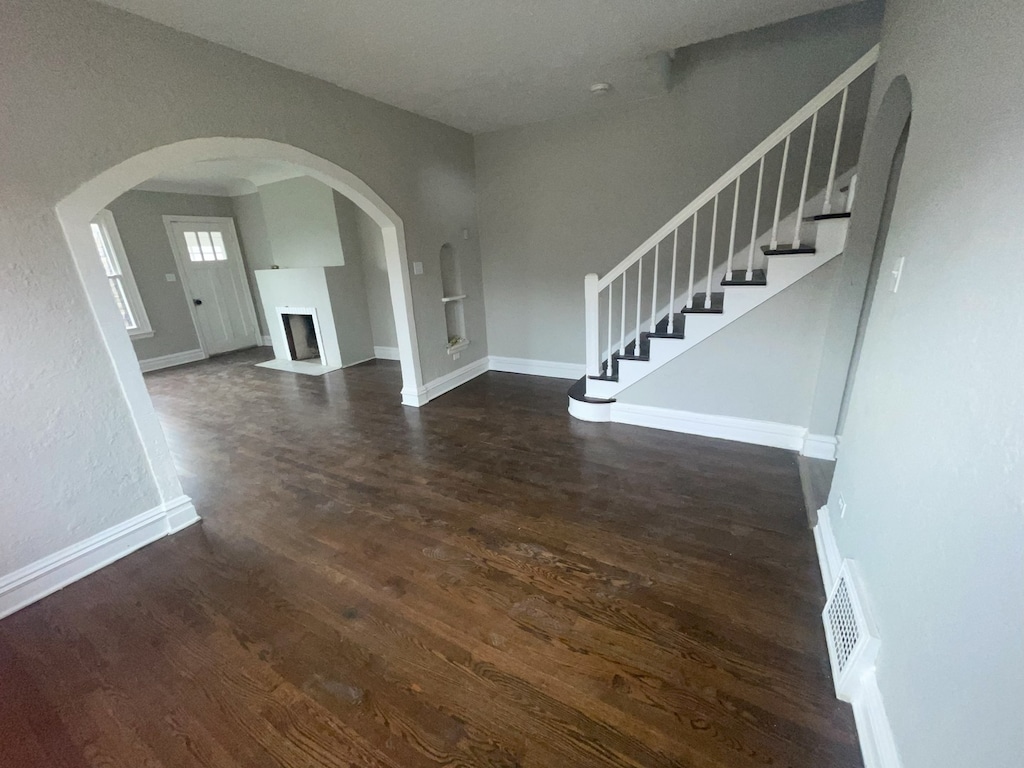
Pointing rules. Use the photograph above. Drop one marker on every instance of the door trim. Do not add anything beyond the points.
(228, 223)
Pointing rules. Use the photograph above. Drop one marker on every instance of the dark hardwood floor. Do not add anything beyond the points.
(480, 582)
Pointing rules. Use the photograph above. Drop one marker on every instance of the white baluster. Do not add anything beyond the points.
(654, 294)
(711, 254)
(753, 227)
(639, 302)
(803, 184)
(611, 290)
(693, 259)
(850, 195)
(732, 232)
(835, 153)
(778, 197)
(622, 318)
(672, 284)
(592, 310)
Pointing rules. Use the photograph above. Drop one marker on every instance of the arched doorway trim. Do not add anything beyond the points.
(77, 210)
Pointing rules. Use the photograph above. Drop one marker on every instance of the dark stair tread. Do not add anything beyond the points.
(641, 358)
(739, 277)
(828, 216)
(661, 329)
(717, 302)
(578, 391)
(604, 377)
(787, 250)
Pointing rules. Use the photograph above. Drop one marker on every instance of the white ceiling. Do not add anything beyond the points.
(221, 177)
(478, 65)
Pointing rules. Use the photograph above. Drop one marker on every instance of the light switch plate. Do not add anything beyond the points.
(170, 277)
(417, 267)
(456, 355)
(897, 273)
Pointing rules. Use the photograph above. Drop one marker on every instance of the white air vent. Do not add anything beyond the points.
(852, 641)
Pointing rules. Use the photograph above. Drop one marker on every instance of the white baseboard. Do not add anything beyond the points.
(169, 361)
(386, 353)
(49, 574)
(829, 559)
(266, 341)
(877, 744)
(819, 447)
(768, 433)
(446, 383)
(538, 367)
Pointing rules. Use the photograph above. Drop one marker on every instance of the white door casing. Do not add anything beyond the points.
(213, 275)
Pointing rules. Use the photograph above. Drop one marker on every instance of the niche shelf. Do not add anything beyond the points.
(452, 297)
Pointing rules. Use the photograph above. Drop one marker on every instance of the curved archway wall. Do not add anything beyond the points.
(87, 89)
(880, 144)
(79, 208)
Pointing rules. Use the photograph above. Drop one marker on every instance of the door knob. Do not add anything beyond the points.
(197, 302)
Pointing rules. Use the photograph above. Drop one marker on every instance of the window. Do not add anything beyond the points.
(119, 275)
(205, 246)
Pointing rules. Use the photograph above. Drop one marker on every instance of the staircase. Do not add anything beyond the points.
(690, 279)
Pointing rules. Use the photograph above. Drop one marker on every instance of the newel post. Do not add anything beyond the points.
(593, 319)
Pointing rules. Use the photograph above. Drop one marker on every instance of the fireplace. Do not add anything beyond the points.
(302, 332)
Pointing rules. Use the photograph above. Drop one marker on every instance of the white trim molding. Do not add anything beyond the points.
(877, 743)
(768, 433)
(548, 368)
(819, 447)
(169, 361)
(386, 353)
(829, 559)
(49, 574)
(446, 383)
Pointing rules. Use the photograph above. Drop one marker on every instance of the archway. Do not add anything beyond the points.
(880, 166)
(77, 210)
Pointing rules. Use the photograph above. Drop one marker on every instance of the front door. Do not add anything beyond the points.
(214, 282)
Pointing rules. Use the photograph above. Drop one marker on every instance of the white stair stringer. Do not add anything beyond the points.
(781, 272)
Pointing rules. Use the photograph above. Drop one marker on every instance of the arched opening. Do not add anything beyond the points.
(77, 211)
(881, 165)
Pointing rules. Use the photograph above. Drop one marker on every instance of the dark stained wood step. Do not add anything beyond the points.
(717, 303)
(578, 391)
(739, 277)
(787, 250)
(828, 216)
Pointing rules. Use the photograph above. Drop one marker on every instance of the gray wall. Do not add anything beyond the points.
(576, 195)
(375, 278)
(348, 287)
(931, 465)
(302, 223)
(85, 87)
(139, 219)
(255, 241)
(762, 366)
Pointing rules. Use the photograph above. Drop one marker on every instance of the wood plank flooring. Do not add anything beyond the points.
(480, 582)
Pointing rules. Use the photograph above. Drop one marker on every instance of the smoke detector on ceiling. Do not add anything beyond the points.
(600, 89)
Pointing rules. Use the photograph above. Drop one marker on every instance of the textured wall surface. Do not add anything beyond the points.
(85, 87)
(931, 465)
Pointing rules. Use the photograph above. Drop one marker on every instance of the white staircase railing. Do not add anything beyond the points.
(612, 293)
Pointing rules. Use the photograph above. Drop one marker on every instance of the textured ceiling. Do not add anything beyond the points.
(478, 65)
